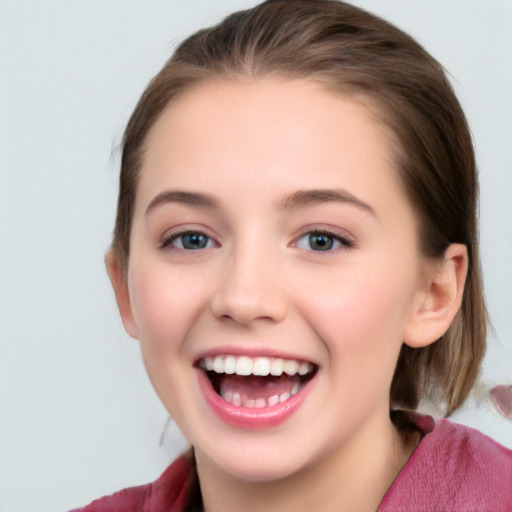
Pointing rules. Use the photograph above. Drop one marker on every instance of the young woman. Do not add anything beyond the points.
(296, 250)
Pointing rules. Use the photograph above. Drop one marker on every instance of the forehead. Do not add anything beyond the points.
(267, 120)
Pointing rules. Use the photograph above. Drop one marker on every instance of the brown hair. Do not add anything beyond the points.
(352, 51)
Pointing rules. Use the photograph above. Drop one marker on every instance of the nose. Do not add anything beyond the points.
(250, 289)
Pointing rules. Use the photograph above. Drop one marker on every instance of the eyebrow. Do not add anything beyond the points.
(299, 199)
(303, 198)
(195, 199)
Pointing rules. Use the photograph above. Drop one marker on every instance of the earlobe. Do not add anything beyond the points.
(118, 278)
(440, 298)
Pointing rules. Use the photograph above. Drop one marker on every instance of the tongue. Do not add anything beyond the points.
(254, 388)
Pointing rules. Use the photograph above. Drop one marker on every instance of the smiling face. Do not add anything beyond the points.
(274, 261)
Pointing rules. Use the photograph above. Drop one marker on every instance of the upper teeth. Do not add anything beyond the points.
(259, 366)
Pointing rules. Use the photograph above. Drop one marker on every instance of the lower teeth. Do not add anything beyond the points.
(259, 403)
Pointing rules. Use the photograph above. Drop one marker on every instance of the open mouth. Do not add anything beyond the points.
(256, 382)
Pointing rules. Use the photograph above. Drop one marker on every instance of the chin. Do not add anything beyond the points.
(261, 473)
(258, 465)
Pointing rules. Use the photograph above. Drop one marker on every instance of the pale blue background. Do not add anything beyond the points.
(78, 417)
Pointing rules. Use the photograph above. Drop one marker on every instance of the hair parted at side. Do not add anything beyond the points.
(356, 53)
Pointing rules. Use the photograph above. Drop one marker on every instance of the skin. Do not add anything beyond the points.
(258, 285)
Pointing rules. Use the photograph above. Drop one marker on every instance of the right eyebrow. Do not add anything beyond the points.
(304, 198)
(182, 197)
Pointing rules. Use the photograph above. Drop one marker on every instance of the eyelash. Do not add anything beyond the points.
(169, 240)
(344, 242)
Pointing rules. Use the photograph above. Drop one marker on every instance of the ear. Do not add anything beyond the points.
(118, 277)
(440, 298)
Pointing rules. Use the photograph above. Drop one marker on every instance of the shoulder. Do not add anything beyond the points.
(454, 468)
(459, 447)
(167, 494)
(465, 446)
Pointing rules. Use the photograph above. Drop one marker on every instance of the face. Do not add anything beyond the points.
(274, 269)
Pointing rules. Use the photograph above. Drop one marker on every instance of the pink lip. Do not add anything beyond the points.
(245, 351)
(250, 418)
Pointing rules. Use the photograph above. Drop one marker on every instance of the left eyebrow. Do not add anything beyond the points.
(303, 198)
(185, 197)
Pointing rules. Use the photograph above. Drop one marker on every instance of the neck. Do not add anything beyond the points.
(352, 478)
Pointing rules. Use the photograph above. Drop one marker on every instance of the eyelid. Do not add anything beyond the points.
(346, 240)
(172, 234)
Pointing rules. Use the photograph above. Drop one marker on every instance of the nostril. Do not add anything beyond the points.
(245, 306)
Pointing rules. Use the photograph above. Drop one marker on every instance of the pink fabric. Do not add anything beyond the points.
(167, 494)
(454, 469)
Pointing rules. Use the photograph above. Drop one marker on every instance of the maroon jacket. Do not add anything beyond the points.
(454, 469)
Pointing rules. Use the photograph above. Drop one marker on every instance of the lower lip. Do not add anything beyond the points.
(251, 418)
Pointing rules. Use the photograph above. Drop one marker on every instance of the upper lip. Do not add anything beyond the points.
(253, 353)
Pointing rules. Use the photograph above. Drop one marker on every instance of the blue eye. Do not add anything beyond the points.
(190, 241)
(320, 241)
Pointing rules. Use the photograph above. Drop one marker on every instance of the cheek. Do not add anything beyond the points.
(362, 315)
(165, 304)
